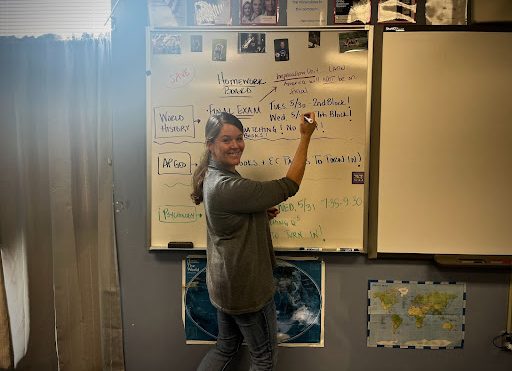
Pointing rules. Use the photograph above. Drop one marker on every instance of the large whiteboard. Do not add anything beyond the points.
(329, 212)
(445, 162)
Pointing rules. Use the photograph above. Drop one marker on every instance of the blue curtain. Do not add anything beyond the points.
(58, 250)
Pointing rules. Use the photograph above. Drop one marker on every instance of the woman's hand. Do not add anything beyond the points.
(307, 127)
(272, 213)
(298, 166)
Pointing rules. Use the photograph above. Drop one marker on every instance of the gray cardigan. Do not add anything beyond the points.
(240, 255)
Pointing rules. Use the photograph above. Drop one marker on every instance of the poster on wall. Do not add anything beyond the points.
(446, 12)
(258, 12)
(211, 12)
(397, 11)
(306, 12)
(167, 13)
(420, 315)
(298, 298)
(352, 11)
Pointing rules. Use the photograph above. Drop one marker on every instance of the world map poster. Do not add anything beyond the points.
(409, 314)
(298, 298)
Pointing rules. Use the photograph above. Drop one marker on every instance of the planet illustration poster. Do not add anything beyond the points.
(298, 298)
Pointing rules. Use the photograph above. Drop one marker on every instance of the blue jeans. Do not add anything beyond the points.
(257, 329)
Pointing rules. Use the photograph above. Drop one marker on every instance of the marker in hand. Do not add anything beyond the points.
(308, 119)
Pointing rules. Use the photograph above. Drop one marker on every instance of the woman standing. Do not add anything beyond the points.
(240, 255)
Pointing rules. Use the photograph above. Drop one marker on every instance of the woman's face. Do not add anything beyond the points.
(247, 9)
(256, 6)
(269, 6)
(228, 147)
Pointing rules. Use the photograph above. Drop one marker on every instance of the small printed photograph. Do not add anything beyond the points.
(196, 43)
(165, 43)
(219, 47)
(281, 51)
(258, 12)
(352, 11)
(352, 41)
(251, 42)
(358, 177)
(314, 39)
(212, 12)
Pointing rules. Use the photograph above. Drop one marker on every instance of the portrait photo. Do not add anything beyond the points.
(219, 49)
(258, 12)
(314, 39)
(281, 51)
(196, 43)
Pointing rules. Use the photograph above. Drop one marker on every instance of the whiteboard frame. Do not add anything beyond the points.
(368, 28)
(442, 48)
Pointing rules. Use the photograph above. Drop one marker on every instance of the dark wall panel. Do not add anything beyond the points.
(151, 282)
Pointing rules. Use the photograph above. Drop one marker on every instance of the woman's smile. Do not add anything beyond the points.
(228, 147)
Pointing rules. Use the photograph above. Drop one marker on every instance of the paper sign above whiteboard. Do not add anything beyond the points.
(306, 12)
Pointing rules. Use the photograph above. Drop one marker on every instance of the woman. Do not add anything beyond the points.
(246, 12)
(240, 255)
(269, 8)
(268, 14)
(256, 9)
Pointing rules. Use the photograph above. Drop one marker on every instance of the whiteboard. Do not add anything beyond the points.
(184, 89)
(445, 161)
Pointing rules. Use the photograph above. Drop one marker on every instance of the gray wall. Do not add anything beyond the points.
(151, 282)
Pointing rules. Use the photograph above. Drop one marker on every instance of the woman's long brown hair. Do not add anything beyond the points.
(211, 132)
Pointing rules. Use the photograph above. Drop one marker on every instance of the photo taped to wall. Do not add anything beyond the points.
(219, 47)
(281, 50)
(258, 12)
(251, 42)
